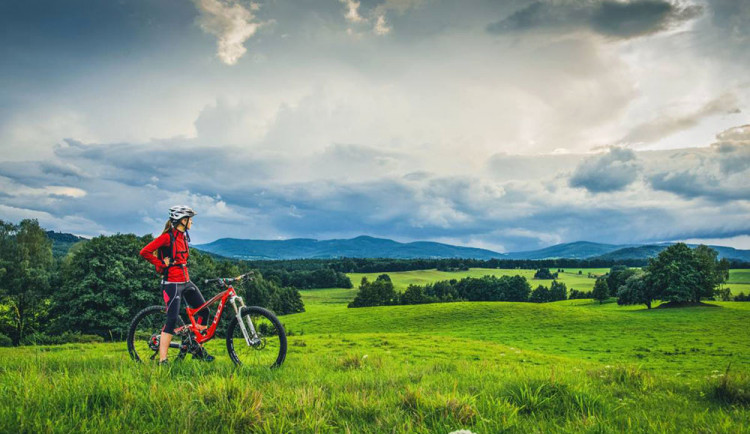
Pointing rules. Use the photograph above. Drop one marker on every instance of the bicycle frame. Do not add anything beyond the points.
(222, 298)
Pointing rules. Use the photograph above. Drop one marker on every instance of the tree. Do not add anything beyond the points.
(518, 289)
(636, 290)
(601, 290)
(540, 295)
(105, 283)
(377, 293)
(617, 276)
(544, 273)
(681, 274)
(558, 291)
(415, 294)
(26, 265)
(711, 272)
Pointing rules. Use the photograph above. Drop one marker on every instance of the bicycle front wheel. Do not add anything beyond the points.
(144, 336)
(267, 349)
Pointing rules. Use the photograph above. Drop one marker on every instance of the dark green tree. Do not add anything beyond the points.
(636, 290)
(540, 294)
(712, 272)
(601, 290)
(518, 289)
(105, 283)
(377, 293)
(26, 267)
(544, 273)
(414, 294)
(617, 276)
(681, 274)
(558, 291)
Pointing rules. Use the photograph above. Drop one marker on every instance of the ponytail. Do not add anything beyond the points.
(168, 226)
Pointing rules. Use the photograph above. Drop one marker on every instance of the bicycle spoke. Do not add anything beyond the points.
(145, 335)
(266, 351)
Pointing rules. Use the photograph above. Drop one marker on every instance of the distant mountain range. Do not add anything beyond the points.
(370, 247)
(359, 247)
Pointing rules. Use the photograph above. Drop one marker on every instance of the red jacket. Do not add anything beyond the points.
(180, 251)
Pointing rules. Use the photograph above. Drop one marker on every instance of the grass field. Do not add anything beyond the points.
(572, 366)
(739, 280)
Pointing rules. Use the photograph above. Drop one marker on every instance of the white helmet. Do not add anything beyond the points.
(178, 212)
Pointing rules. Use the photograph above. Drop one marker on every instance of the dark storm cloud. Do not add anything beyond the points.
(606, 173)
(610, 18)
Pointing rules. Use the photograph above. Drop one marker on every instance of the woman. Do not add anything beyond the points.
(172, 246)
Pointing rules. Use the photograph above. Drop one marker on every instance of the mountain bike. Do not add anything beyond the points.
(254, 337)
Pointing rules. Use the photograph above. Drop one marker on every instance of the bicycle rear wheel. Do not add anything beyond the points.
(269, 349)
(144, 335)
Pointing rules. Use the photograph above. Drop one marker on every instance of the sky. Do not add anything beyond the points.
(507, 125)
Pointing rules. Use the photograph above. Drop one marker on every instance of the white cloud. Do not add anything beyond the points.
(231, 23)
(381, 28)
(352, 11)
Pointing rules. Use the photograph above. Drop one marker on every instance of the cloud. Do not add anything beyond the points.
(606, 173)
(231, 23)
(666, 125)
(352, 11)
(610, 18)
(381, 28)
(718, 173)
(376, 16)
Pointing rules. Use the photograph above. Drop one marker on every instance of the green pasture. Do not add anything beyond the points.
(421, 277)
(739, 280)
(571, 366)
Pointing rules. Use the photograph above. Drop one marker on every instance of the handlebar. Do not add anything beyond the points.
(224, 280)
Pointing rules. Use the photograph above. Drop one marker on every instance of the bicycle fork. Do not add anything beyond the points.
(251, 339)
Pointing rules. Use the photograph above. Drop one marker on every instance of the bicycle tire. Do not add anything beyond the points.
(242, 355)
(148, 320)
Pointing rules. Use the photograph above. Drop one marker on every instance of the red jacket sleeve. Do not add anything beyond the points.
(148, 251)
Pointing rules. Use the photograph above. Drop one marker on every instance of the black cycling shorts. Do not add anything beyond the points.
(173, 293)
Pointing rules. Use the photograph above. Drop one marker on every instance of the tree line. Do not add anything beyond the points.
(99, 285)
(381, 291)
(677, 275)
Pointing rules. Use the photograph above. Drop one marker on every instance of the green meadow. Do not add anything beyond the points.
(487, 367)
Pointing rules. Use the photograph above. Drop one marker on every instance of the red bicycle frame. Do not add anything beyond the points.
(222, 298)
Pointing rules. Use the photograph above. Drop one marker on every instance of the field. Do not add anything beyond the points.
(739, 280)
(572, 366)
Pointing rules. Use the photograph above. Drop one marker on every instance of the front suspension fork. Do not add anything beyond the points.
(252, 338)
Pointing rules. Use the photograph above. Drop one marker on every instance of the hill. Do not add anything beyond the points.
(62, 242)
(359, 247)
(651, 251)
(575, 250)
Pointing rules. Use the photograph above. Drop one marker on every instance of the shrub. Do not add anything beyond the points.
(577, 295)
(544, 273)
(742, 297)
(5, 341)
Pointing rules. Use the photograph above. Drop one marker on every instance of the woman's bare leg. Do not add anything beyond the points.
(164, 342)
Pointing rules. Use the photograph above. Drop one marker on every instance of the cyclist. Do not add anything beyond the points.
(172, 249)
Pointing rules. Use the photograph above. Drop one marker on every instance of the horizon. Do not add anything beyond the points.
(508, 127)
(454, 245)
